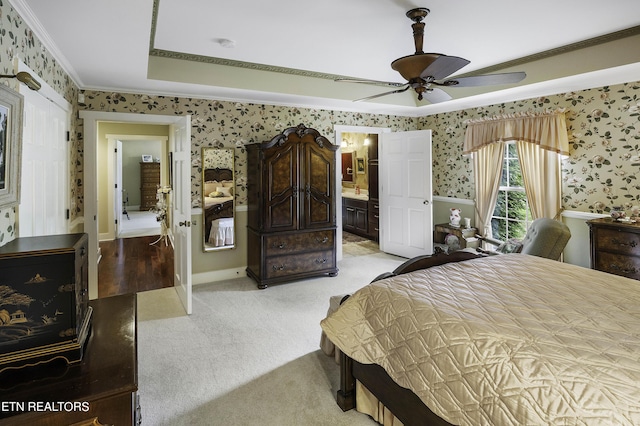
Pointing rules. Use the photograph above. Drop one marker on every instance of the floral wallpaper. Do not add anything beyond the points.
(224, 124)
(601, 171)
(603, 168)
(17, 40)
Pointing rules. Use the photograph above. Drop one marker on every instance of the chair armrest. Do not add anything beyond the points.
(489, 240)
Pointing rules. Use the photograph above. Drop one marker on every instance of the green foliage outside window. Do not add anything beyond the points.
(511, 216)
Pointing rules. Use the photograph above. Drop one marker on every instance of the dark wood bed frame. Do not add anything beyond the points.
(402, 402)
(217, 211)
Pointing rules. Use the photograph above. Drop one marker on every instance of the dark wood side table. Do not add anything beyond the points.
(101, 389)
(615, 247)
(466, 236)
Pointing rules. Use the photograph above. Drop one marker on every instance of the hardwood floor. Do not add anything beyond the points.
(131, 265)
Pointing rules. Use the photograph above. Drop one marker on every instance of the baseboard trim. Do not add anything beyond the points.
(221, 275)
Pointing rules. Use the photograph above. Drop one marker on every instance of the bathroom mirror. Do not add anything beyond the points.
(218, 199)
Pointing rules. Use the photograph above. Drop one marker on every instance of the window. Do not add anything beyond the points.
(511, 216)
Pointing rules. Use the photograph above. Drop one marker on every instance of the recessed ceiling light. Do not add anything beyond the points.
(225, 42)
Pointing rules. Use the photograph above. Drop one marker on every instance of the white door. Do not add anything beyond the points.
(118, 188)
(45, 164)
(181, 210)
(405, 193)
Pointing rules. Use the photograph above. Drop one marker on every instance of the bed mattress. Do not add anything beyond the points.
(509, 339)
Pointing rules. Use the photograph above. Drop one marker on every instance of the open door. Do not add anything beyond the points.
(180, 144)
(406, 227)
(117, 198)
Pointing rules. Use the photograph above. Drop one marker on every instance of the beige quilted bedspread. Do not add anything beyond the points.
(503, 340)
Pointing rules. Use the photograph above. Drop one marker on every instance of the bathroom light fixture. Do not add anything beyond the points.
(25, 78)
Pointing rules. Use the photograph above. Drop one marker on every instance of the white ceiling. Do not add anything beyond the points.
(106, 45)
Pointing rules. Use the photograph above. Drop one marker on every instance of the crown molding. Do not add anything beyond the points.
(25, 12)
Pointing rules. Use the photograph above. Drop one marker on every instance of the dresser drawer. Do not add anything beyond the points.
(282, 266)
(294, 243)
(626, 266)
(617, 241)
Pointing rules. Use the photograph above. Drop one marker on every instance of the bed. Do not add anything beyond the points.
(218, 196)
(509, 339)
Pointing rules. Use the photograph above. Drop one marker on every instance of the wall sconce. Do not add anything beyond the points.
(366, 141)
(26, 78)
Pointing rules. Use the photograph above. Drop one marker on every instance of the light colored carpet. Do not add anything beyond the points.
(139, 224)
(246, 356)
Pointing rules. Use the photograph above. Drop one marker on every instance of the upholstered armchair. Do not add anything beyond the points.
(545, 238)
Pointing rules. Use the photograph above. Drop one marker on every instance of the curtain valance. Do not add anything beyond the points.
(548, 130)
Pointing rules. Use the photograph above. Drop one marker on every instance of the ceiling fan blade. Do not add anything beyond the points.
(364, 81)
(383, 94)
(435, 95)
(443, 67)
(484, 80)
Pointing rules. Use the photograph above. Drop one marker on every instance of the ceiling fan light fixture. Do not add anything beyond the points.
(422, 70)
(412, 66)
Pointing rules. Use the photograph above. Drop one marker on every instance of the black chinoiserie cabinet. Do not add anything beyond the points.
(44, 300)
(291, 184)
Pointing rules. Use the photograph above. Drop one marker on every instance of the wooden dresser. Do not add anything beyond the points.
(291, 184)
(149, 181)
(615, 247)
(101, 389)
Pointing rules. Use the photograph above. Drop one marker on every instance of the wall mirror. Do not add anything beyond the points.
(218, 196)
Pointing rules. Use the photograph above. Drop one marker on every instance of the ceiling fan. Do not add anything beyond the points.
(423, 70)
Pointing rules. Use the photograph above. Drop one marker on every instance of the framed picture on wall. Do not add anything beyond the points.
(360, 165)
(11, 106)
(147, 158)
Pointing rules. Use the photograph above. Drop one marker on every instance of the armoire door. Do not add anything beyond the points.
(281, 188)
(318, 172)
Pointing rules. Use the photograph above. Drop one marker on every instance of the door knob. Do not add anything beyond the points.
(425, 202)
(185, 223)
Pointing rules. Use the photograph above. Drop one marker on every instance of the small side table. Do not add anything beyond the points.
(466, 236)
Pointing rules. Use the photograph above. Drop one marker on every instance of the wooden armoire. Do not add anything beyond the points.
(291, 185)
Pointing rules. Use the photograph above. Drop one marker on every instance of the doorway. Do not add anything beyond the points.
(133, 258)
(136, 184)
(354, 186)
(94, 134)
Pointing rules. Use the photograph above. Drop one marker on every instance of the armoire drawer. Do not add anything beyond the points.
(293, 243)
(282, 266)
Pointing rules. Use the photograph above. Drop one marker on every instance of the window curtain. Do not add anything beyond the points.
(541, 141)
(487, 169)
(542, 175)
(547, 130)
